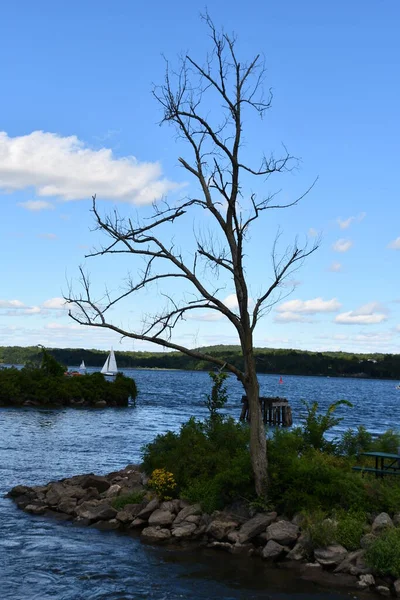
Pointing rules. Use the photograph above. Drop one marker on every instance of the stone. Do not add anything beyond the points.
(110, 525)
(192, 509)
(331, 556)
(124, 517)
(272, 550)
(149, 509)
(161, 517)
(396, 587)
(349, 561)
(219, 529)
(170, 505)
(221, 545)
(396, 520)
(283, 532)
(138, 523)
(194, 519)
(365, 581)
(35, 509)
(96, 481)
(67, 505)
(252, 528)
(297, 553)
(155, 535)
(381, 522)
(184, 530)
(55, 494)
(96, 511)
(19, 490)
(383, 590)
(113, 490)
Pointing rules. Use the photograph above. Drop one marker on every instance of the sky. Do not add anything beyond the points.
(78, 118)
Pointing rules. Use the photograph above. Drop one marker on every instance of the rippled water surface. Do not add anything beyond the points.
(42, 559)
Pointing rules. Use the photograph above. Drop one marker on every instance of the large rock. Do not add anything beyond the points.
(283, 532)
(145, 513)
(113, 490)
(219, 528)
(365, 581)
(96, 511)
(161, 517)
(55, 494)
(252, 528)
(297, 553)
(19, 490)
(383, 590)
(331, 556)
(184, 530)
(97, 481)
(346, 565)
(382, 521)
(67, 506)
(272, 550)
(396, 587)
(192, 509)
(154, 535)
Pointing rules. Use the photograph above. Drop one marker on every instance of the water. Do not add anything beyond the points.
(46, 559)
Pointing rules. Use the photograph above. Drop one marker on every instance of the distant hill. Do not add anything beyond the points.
(269, 360)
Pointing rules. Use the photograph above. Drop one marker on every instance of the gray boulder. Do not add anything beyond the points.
(184, 530)
(381, 522)
(283, 532)
(96, 511)
(192, 509)
(331, 556)
(219, 528)
(396, 587)
(96, 481)
(365, 581)
(252, 528)
(154, 535)
(272, 550)
(149, 509)
(383, 590)
(298, 552)
(161, 517)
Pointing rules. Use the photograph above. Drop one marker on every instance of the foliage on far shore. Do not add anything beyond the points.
(269, 360)
(47, 385)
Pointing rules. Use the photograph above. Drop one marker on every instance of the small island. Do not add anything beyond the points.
(49, 385)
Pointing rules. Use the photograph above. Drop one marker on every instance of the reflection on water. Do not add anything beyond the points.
(46, 559)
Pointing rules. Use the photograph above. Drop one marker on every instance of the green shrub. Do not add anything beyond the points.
(387, 442)
(316, 425)
(321, 529)
(350, 529)
(133, 498)
(383, 555)
(353, 442)
(210, 460)
(219, 396)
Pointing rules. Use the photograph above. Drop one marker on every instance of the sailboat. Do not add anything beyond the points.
(82, 367)
(280, 380)
(110, 366)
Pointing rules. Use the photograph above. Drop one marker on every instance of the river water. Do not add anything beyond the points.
(44, 559)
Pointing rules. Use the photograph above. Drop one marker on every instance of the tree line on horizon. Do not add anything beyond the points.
(268, 360)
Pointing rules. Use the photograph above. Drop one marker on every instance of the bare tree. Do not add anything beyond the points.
(228, 88)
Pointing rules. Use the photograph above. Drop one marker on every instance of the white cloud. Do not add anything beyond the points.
(345, 223)
(291, 317)
(395, 244)
(342, 245)
(11, 304)
(55, 304)
(364, 315)
(36, 205)
(310, 307)
(312, 232)
(65, 167)
(335, 267)
(231, 302)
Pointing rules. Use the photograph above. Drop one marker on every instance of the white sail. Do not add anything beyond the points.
(83, 366)
(110, 366)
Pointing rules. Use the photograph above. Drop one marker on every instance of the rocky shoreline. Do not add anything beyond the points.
(98, 501)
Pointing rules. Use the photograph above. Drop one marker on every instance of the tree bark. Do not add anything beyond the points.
(258, 441)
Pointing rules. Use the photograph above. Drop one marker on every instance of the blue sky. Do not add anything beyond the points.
(78, 118)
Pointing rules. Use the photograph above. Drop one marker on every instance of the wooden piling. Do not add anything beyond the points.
(274, 411)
